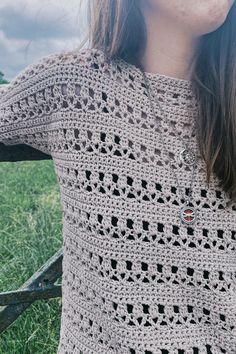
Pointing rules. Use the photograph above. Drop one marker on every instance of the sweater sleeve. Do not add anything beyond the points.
(28, 103)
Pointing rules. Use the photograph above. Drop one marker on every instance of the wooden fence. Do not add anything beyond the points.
(41, 285)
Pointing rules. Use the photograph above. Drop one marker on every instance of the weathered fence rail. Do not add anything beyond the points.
(41, 285)
(21, 152)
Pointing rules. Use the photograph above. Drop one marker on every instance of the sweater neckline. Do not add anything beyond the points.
(168, 79)
(177, 94)
(171, 82)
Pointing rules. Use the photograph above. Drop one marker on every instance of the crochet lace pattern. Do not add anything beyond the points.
(135, 280)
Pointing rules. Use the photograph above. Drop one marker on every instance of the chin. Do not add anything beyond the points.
(215, 15)
(212, 26)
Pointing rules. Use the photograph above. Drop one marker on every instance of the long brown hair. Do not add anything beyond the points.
(118, 28)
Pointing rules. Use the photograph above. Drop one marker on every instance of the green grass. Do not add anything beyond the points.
(30, 233)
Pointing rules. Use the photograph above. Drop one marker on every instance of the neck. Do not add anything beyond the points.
(169, 48)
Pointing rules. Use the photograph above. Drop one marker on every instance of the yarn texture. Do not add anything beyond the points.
(135, 279)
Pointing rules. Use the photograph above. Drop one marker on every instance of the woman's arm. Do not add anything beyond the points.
(27, 105)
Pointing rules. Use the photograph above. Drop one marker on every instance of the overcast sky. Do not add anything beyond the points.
(30, 29)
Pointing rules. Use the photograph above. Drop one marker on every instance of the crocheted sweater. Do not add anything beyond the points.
(136, 280)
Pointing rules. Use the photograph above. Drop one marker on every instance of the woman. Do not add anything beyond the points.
(141, 127)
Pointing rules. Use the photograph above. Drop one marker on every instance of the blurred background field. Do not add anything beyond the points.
(30, 233)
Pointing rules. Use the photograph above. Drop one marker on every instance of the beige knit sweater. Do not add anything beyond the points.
(135, 279)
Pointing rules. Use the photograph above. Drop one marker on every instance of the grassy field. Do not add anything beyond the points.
(30, 233)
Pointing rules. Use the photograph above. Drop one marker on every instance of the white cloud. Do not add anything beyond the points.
(30, 29)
